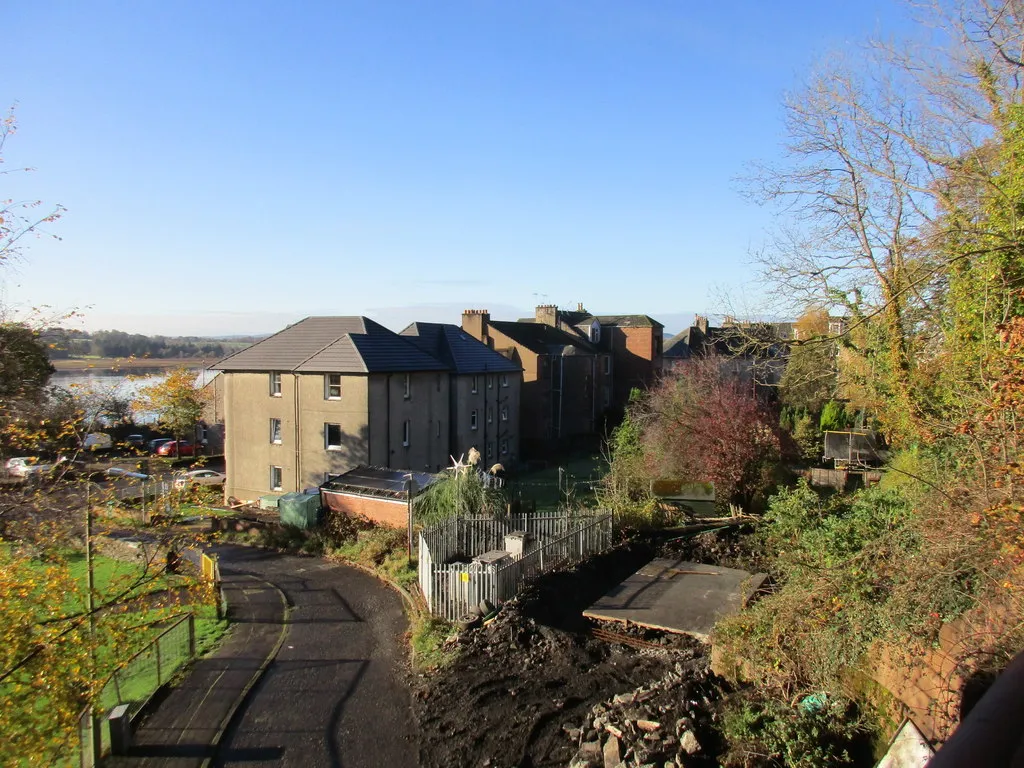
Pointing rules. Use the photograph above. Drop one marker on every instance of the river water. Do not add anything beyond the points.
(125, 384)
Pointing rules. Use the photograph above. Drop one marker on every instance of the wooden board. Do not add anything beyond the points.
(677, 596)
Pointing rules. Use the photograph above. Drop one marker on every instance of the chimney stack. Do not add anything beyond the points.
(547, 314)
(701, 323)
(475, 322)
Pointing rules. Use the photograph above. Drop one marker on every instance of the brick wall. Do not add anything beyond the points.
(380, 511)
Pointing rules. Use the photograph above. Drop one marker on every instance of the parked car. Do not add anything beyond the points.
(200, 477)
(31, 467)
(97, 441)
(135, 441)
(176, 448)
(154, 444)
(17, 467)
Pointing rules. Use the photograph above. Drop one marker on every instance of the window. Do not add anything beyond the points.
(490, 382)
(489, 415)
(607, 365)
(275, 384)
(275, 431)
(472, 419)
(332, 386)
(276, 478)
(332, 437)
(504, 413)
(476, 384)
(595, 331)
(408, 386)
(405, 433)
(504, 447)
(490, 451)
(504, 379)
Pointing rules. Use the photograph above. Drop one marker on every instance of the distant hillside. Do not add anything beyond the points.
(64, 344)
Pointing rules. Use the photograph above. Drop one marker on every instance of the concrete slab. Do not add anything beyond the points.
(677, 596)
(908, 749)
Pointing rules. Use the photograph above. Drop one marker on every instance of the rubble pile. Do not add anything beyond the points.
(663, 724)
(534, 687)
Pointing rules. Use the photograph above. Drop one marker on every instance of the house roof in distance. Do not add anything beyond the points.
(543, 339)
(332, 345)
(457, 349)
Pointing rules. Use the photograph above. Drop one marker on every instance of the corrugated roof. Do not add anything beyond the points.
(457, 349)
(541, 338)
(332, 345)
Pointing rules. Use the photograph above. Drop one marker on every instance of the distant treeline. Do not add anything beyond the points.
(64, 344)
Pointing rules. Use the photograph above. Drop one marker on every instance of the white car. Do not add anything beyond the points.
(200, 477)
(19, 466)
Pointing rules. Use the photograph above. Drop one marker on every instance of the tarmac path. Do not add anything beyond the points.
(311, 675)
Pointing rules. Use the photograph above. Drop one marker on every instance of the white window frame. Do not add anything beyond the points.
(329, 385)
(275, 384)
(328, 446)
(476, 384)
(504, 379)
(490, 415)
(408, 386)
(504, 413)
(473, 419)
(275, 432)
(406, 432)
(504, 447)
(490, 382)
(276, 473)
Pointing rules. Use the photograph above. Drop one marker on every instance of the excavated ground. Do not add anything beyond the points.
(535, 688)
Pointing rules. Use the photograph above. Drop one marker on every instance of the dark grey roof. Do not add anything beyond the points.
(457, 349)
(543, 339)
(628, 321)
(332, 345)
(378, 481)
(679, 346)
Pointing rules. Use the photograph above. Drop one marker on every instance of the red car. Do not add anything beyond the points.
(176, 448)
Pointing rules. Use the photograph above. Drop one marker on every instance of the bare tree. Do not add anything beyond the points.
(891, 172)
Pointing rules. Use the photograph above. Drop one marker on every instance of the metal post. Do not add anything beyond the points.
(410, 494)
(191, 636)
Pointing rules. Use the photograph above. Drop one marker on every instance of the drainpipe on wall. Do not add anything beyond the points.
(561, 390)
(387, 425)
(298, 433)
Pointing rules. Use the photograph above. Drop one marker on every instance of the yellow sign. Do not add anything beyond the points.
(464, 576)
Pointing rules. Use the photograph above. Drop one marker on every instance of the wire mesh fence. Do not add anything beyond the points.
(135, 681)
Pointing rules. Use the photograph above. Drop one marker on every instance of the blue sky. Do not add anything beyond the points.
(232, 167)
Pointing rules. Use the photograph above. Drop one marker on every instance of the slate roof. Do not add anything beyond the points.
(678, 346)
(629, 321)
(543, 339)
(332, 345)
(457, 349)
(572, 317)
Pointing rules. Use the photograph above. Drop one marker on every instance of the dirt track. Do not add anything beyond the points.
(534, 686)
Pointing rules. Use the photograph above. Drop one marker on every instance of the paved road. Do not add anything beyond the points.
(334, 695)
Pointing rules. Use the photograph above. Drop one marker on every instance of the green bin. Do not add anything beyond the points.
(299, 509)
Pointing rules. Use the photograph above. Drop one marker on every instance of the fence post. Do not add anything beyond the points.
(191, 636)
(159, 676)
